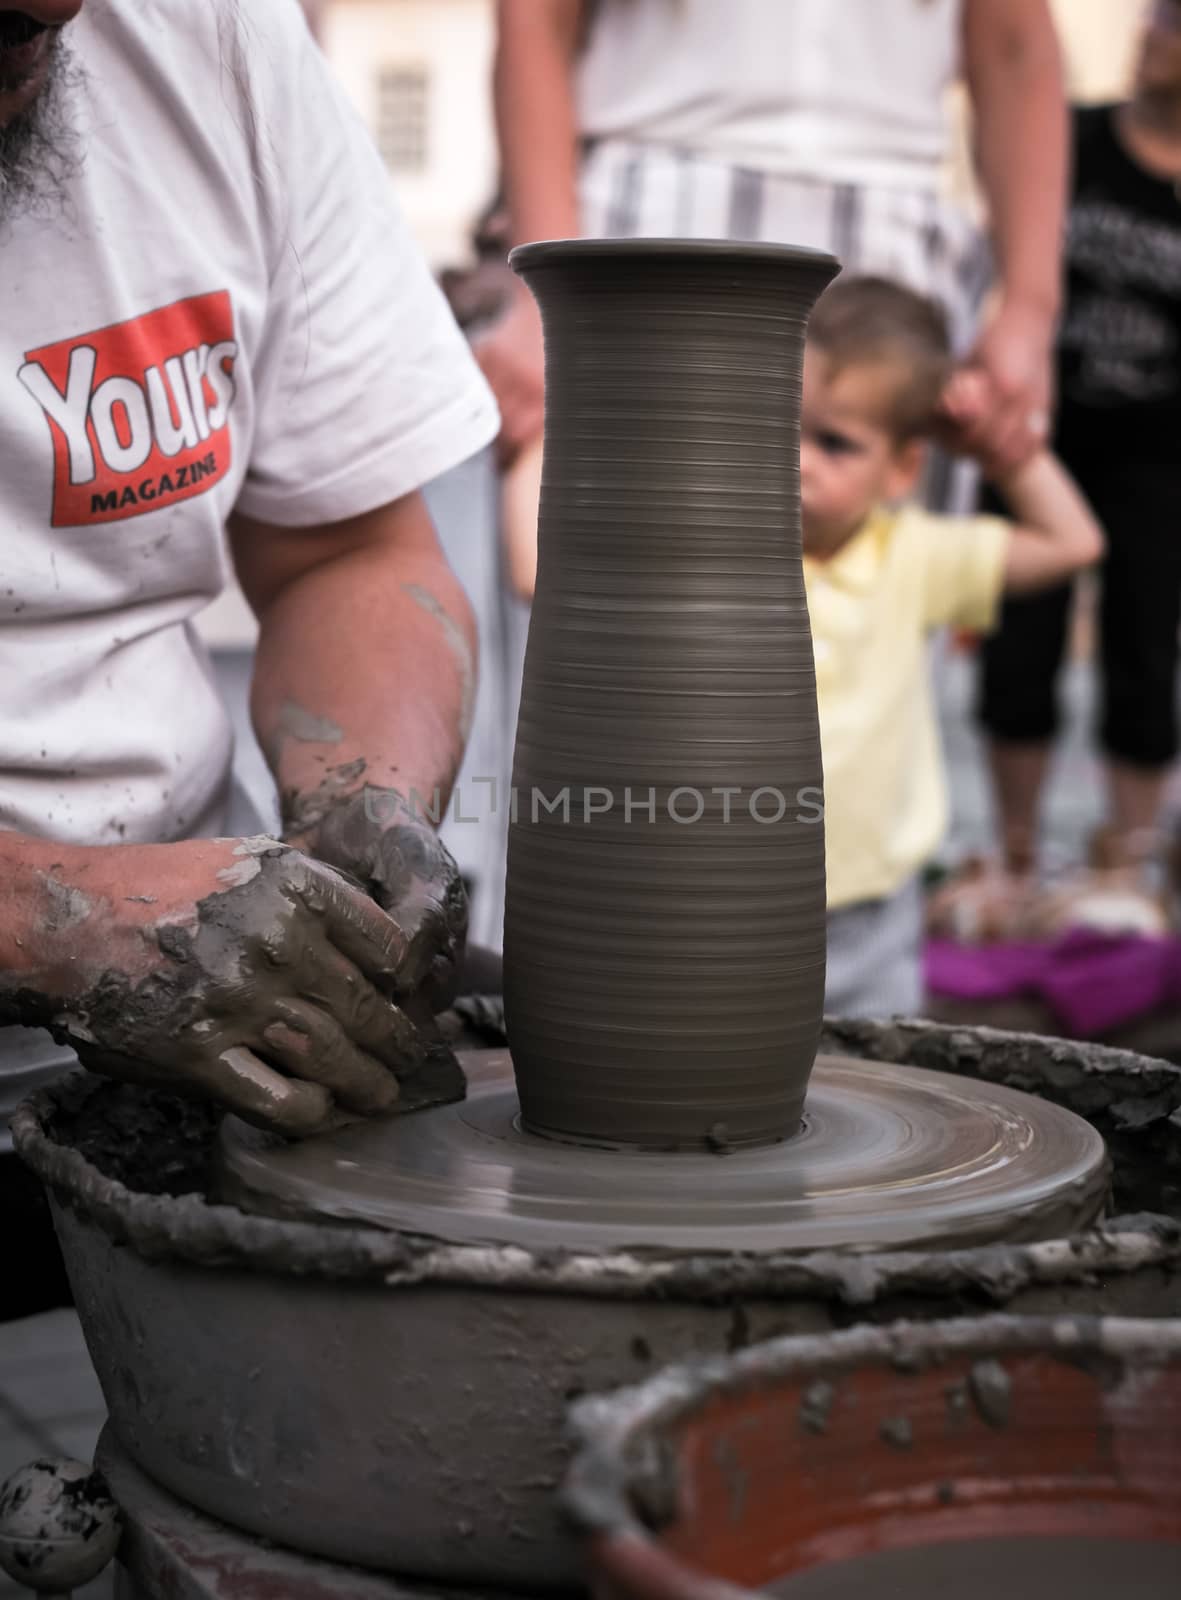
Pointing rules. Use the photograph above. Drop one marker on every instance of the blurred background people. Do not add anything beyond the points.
(1119, 429)
(809, 123)
(1019, 940)
(882, 573)
(812, 123)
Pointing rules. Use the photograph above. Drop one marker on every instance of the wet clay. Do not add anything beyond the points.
(59, 1526)
(664, 923)
(303, 810)
(436, 1377)
(1134, 1101)
(888, 1157)
(983, 1569)
(274, 998)
(459, 647)
(295, 722)
(381, 840)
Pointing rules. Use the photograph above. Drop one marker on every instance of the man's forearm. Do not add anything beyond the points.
(1014, 72)
(33, 885)
(365, 675)
(535, 115)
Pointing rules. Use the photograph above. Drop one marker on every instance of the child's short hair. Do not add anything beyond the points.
(870, 320)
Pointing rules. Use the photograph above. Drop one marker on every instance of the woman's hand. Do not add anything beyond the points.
(999, 404)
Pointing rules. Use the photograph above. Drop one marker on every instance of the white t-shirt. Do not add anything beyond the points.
(229, 313)
(843, 91)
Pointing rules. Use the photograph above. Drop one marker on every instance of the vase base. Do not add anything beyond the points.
(888, 1157)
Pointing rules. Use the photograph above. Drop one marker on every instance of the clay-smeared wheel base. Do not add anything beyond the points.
(888, 1157)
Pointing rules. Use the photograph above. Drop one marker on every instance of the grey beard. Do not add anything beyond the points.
(39, 149)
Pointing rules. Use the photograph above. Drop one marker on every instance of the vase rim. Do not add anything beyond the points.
(546, 252)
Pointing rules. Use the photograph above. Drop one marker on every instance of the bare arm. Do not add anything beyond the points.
(533, 94)
(242, 969)
(365, 666)
(1014, 73)
(1055, 532)
(238, 969)
(363, 692)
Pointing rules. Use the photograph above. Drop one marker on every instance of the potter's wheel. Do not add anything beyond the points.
(889, 1156)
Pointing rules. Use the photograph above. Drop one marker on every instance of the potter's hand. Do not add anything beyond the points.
(1014, 354)
(239, 969)
(513, 360)
(386, 843)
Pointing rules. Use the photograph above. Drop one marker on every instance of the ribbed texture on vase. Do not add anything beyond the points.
(664, 939)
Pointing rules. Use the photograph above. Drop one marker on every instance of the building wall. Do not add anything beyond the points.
(450, 43)
(1099, 41)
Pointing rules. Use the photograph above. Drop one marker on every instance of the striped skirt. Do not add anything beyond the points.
(914, 236)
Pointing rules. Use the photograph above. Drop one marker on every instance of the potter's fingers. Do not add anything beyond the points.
(430, 940)
(373, 1023)
(264, 1097)
(309, 1044)
(356, 925)
(431, 910)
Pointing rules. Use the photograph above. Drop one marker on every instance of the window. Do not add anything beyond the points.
(402, 96)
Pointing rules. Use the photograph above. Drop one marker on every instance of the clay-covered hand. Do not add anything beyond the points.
(385, 842)
(241, 969)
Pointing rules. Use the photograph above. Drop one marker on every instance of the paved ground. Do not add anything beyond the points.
(49, 1397)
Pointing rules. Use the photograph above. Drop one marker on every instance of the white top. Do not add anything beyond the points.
(229, 312)
(843, 91)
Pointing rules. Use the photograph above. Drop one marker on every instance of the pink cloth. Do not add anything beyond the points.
(1092, 982)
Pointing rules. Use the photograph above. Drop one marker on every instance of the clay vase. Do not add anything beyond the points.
(664, 923)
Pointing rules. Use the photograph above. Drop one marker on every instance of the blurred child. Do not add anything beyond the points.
(1119, 431)
(881, 574)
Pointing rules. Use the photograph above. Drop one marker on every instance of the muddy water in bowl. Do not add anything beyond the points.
(1000, 1569)
(1012, 1456)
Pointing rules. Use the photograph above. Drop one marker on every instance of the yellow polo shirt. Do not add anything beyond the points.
(872, 608)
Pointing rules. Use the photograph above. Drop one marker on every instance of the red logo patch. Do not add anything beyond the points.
(139, 412)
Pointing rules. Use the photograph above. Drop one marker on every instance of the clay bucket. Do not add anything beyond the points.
(664, 920)
(745, 1472)
(399, 1402)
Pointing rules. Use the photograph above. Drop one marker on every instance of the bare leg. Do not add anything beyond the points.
(1136, 795)
(1019, 775)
